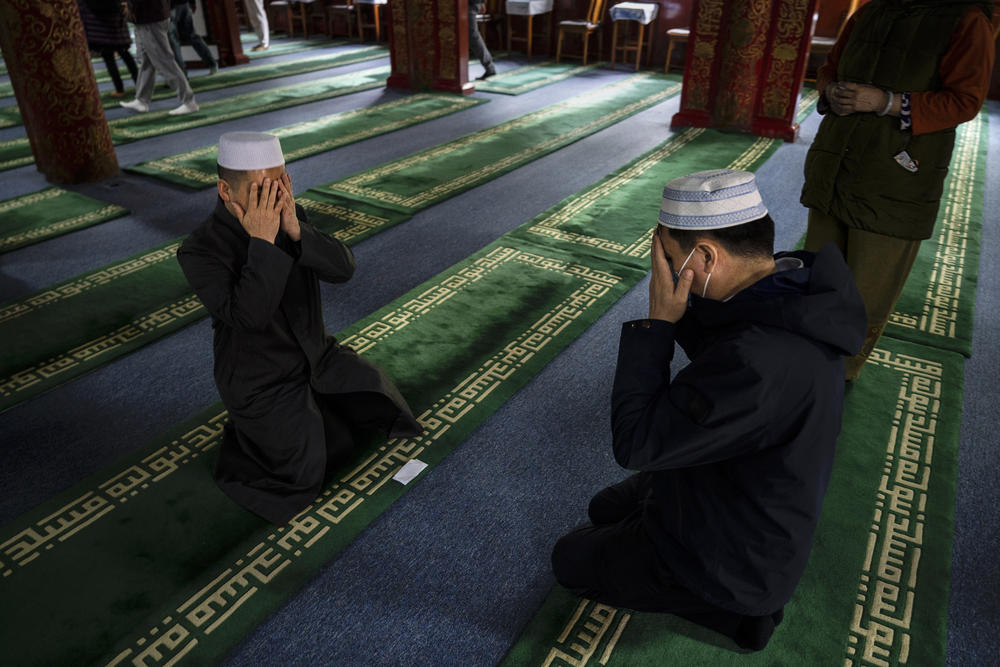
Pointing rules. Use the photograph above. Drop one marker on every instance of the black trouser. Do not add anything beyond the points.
(477, 46)
(108, 54)
(613, 561)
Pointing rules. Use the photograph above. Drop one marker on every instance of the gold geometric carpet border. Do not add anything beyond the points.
(940, 310)
(205, 611)
(175, 164)
(549, 227)
(25, 546)
(76, 287)
(359, 185)
(495, 86)
(879, 632)
(887, 584)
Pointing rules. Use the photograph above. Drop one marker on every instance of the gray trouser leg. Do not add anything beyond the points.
(157, 56)
(477, 47)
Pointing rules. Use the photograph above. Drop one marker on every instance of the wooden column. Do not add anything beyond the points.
(744, 67)
(221, 15)
(429, 45)
(46, 53)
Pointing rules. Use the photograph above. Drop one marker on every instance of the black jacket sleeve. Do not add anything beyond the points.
(713, 410)
(330, 259)
(246, 301)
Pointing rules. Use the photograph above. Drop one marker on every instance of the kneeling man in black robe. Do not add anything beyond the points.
(734, 454)
(297, 400)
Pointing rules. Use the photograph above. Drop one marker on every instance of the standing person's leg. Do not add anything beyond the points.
(184, 24)
(477, 47)
(880, 265)
(174, 38)
(258, 20)
(108, 54)
(823, 229)
(157, 50)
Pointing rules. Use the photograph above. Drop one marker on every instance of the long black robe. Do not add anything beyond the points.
(294, 395)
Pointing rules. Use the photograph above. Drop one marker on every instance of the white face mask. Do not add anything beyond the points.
(677, 273)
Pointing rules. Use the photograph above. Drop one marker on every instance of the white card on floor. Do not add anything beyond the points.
(410, 469)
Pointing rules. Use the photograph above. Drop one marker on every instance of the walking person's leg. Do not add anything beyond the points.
(108, 54)
(477, 46)
(146, 79)
(184, 24)
(157, 50)
(174, 38)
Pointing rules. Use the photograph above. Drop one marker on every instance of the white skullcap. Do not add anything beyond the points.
(711, 200)
(244, 151)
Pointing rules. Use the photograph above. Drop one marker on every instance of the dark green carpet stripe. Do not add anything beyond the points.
(195, 579)
(876, 588)
(227, 77)
(17, 152)
(938, 302)
(414, 182)
(47, 213)
(87, 321)
(283, 47)
(529, 77)
(197, 168)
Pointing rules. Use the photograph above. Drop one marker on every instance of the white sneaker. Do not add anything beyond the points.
(136, 105)
(189, 107)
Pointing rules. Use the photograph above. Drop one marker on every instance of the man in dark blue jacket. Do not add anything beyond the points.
(734, 454)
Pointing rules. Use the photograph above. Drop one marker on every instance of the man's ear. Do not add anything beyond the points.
(709, 253)
(225, 192)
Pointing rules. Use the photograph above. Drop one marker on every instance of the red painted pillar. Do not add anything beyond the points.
(46, 53)
(745, 64)
(221, 15)
(429, 45)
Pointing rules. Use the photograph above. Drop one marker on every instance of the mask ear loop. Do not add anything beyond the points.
(705, 288)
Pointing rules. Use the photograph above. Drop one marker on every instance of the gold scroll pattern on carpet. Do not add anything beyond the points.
(879, 633)
(62, 225)
(586, 634)
(941, 307)
(28, 544)
(175, 164)
(209, 608)
(359, 185)
(550, 226)
(361, 223)
(369, 79)
(73, 288)
(887, 587)
(496, 84)
(90, 506)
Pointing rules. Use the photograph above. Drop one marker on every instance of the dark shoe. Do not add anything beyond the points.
(487, 74)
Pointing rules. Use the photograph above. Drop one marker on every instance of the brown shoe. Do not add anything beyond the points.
(259, 47)
(115, 93)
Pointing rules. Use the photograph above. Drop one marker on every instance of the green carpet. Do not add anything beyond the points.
(875, 591)
(197, 168)
(291, 46)
(414, 182)
(530, 77)
(89, 320)
(937, 304)
(17, 152)
(235, 76)
(50, 212)
(148, 561)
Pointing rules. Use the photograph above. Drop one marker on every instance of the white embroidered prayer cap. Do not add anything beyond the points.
(245, 151)
(711, 200)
